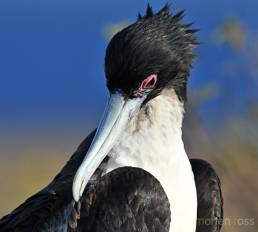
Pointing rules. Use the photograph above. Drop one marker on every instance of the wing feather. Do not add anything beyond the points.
(210, 201)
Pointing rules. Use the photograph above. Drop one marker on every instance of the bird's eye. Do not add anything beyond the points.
(148, 83)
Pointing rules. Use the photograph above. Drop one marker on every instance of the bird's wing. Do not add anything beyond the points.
(126, 199)
(37, 211)
(210, 202)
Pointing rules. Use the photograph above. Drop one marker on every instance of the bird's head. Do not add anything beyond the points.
(154, 53)
(150, 55)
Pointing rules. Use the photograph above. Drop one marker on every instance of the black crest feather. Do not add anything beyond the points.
(149, 12)
(164, 10)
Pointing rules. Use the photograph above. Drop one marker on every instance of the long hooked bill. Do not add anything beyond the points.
(114, 120)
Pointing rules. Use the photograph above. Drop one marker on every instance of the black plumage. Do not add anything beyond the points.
(210, 202)
(127, 199)
(156, 44)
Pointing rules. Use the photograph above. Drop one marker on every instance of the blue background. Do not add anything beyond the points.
(51, 55)
(52, 90)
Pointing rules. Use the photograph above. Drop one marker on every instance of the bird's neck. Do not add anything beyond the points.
(154, 135)
(153, 142)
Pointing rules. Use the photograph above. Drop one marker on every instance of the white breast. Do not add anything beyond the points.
(153, 142)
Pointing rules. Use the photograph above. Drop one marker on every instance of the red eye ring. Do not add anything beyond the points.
(148, 83)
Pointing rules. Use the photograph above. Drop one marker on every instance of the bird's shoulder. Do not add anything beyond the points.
(210, 201)
(126, 199)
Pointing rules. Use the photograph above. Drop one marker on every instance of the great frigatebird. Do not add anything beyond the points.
(132, 173)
